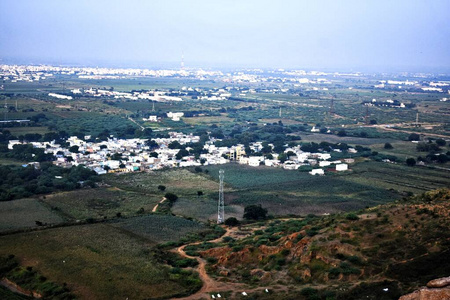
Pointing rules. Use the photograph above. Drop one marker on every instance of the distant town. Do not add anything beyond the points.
(134, 155)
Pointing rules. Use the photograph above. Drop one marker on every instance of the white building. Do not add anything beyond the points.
(317, 172)
(341, 167)
(175, 116)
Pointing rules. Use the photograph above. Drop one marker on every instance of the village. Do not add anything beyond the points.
(137, 155)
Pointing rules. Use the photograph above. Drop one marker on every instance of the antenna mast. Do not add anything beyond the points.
(6, 110)
(182, 61)
(366, 117)
(221, 205)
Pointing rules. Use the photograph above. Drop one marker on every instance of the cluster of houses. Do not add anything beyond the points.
(132, 155)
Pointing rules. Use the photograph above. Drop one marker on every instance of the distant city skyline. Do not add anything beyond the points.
(334, 35)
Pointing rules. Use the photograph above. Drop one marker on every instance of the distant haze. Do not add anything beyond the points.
(382, 35)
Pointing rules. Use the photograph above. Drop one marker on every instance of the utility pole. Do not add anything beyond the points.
(332, 106)
(6, 111)
(221, 205)
(182, 61)
(366, 117)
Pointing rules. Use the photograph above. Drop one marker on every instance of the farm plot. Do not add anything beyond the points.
(159, 228)
(179, 181)
(101, 203)
(285, 192)
(80, 255)
(23, 213)
(400, 177)
(204, 208)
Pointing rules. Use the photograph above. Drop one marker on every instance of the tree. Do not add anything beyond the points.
(440, 142)
(171, 197)
(74, 149)
(414, 137)
(342, 133)
(232, 221)
(388, 146)
(255, 212)
(182, 153)
(175, 145)
(411, 162)
(282, 157)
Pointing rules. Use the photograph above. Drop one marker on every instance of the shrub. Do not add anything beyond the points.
(232, 221)
(308, 291)
(410, 162)
(388, 146)
(255, 212)
(171, 197)
(352, 217)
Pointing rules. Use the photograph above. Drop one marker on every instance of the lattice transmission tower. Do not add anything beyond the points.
(221, 205)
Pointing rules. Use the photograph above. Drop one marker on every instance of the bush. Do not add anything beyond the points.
(171, 197)
(352, 217)
(414, 137)
(308, 291)
(232, 221)
(388, 146)
(411, 162)
(161, 188)
(255, 212)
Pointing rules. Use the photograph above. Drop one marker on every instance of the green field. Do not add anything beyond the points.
(101, 202)
(97, 262)
(159, 228)
(24, 213)
(180, 181)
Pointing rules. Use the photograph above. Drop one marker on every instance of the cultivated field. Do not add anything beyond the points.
(24, 213)
(102, 203)
(98, 261)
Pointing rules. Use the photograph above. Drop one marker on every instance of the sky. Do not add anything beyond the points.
(381, 35)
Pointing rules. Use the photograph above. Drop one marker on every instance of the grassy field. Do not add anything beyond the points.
(284, 192)
(11, 161)
(102, 202)
(208, 120)
(180, 181)
(97, 261)
(24, 213)
(24, 130)
(159, 228)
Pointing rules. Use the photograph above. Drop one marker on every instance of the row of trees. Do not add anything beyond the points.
(21, 182)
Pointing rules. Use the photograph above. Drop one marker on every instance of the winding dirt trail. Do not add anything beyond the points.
(209, 283)
(156, 206)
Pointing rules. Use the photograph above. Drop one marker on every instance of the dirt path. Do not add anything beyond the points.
(13, 287)
(156, 206)
(209, 284)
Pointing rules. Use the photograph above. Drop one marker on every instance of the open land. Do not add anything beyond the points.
(108, 241)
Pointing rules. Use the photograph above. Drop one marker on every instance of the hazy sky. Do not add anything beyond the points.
(383, 35)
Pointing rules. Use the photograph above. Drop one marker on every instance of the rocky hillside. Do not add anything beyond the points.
(379, 253)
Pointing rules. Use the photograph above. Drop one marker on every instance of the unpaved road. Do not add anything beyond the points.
(209, 283)
(156, 206)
